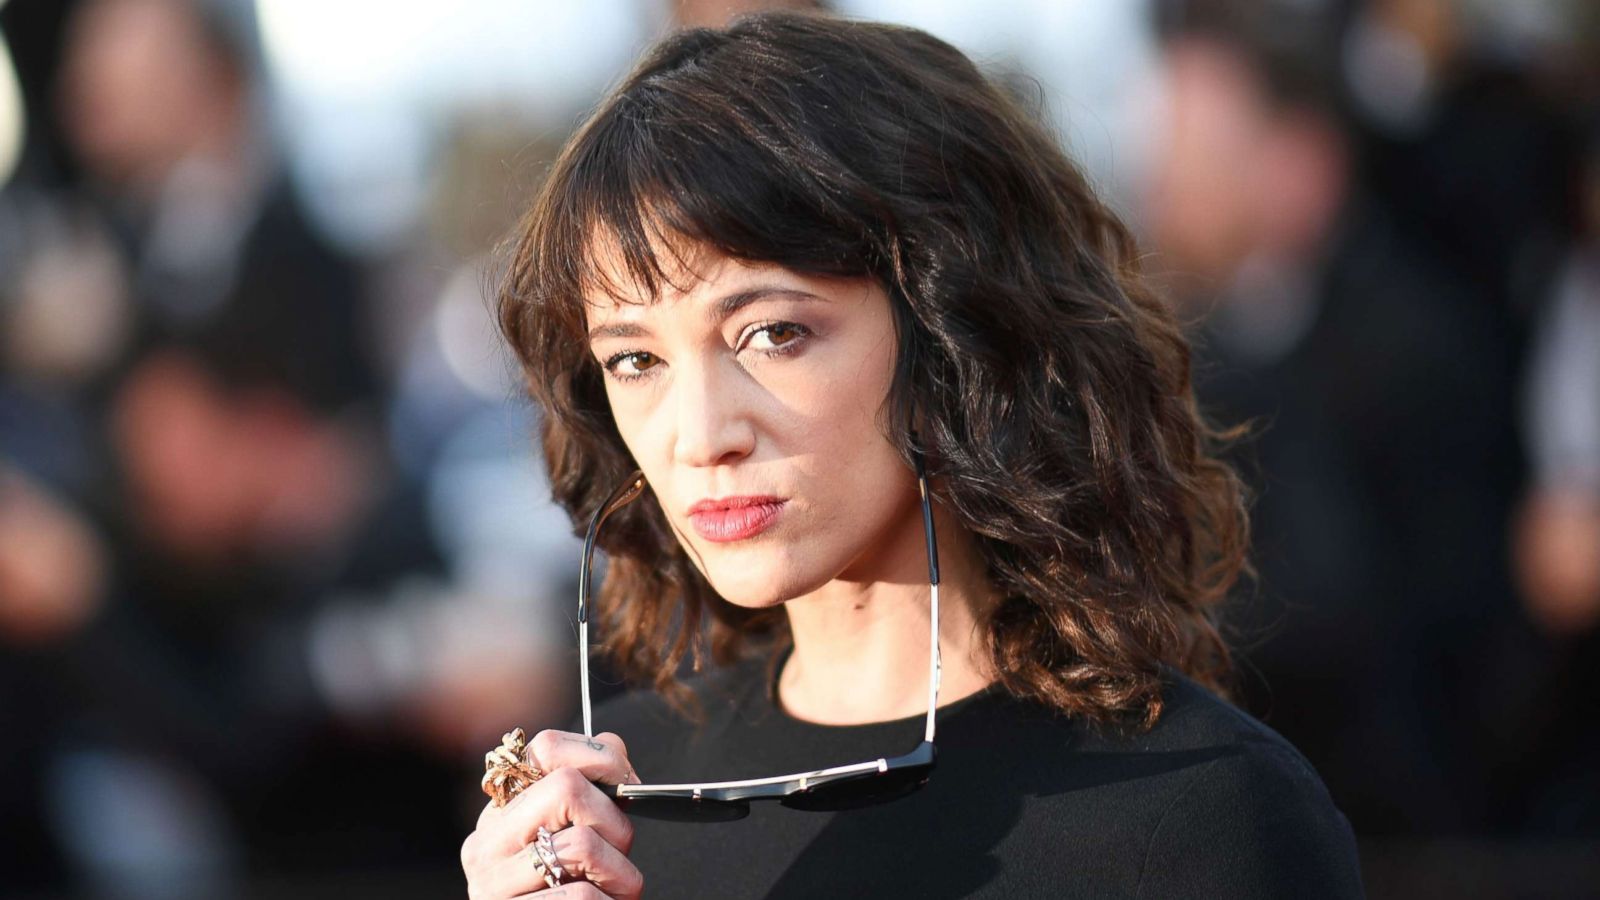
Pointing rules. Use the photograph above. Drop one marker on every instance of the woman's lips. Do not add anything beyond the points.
(734, 518)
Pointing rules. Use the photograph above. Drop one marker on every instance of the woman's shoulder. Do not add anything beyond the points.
(1202, 753)
(1249, 815)
(1194, 717)
(1232, 757)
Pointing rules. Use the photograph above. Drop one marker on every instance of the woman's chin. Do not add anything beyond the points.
(756, 588)
(751, 596)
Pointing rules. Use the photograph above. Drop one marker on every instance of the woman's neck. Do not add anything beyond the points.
(861, 647)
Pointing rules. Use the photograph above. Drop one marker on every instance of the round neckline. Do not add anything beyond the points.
(941, 713)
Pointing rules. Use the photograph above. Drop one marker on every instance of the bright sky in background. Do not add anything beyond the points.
(352, 49)
(11, 124)
(364, 89)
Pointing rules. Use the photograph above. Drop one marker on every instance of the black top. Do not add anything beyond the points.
(1024, 802)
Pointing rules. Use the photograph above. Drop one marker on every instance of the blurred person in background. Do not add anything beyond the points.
(1382, 394)
(1557, 538)
(158, 105)
(187, 709)
(1464, 113)
(30, 515)
(1559, 565)
(52, 571)
(229, 481)
(218, 408)
(231, 590)
(718, 13)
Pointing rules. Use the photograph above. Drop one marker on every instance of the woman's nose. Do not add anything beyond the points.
(713, 425)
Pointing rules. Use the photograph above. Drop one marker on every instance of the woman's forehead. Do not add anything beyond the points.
(678, 273)
(715, 290)
(692, 280)
(613, 269)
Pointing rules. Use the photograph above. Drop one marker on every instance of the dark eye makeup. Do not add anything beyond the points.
(782, 336)
(780, 339)
(643, 361)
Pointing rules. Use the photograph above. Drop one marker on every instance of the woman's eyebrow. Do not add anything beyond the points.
(721, 310)
(618, 330)
(732, 303)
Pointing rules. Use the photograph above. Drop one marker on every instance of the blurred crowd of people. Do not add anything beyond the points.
(275, 560)
(277, 563)
(1383, 221)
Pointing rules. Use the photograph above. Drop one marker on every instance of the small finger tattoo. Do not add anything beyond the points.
(591, 743)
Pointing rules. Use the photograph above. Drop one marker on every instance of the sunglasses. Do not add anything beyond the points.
(835, 788)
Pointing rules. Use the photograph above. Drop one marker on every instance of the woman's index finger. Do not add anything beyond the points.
(602, 758)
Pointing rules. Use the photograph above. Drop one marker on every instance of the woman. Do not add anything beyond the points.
(779, 270)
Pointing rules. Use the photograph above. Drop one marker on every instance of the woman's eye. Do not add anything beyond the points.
(631, 364)
(775, 336)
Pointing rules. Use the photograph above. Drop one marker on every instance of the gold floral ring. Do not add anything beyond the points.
(506, 772)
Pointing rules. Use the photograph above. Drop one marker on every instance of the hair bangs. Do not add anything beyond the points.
(650, 188)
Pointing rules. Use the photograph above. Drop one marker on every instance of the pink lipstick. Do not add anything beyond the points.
(734, 518)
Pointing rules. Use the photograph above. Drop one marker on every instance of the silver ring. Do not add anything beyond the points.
(539, 867)
(544, 850)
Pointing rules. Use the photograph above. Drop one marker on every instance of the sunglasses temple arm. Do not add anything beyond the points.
(583, 620)
(618, 499)
(935, 666)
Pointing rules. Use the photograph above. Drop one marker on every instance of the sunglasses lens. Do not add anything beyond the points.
(686, 809)
(877, 787)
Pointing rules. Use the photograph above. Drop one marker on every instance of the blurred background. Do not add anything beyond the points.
(277, 561)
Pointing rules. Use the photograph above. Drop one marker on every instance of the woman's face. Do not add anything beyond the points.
(752, 400)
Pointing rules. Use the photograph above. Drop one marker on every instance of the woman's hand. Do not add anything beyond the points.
(590, 833)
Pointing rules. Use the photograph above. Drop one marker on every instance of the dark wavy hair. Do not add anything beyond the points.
(1052, 389)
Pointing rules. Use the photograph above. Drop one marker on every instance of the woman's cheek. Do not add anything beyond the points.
(636, 422)
(828, 380)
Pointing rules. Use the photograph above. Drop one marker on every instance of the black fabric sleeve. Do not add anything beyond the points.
(1257, 823)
